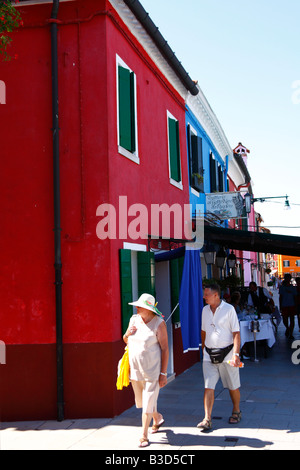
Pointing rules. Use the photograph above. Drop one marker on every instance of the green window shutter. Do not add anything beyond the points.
(176, 268)
(221, 179)
(126, 109)
(146, 273)
(195, 164)
(126, 287)
(213, 174)
(190, 153)
(174, 149)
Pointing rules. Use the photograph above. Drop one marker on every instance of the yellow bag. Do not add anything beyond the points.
(123, 371)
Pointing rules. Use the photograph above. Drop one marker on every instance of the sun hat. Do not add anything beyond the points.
(147, 301)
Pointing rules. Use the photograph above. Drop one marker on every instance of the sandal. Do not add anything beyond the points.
(156, 427)
(235, 417)
(144, 442)
(206, 424)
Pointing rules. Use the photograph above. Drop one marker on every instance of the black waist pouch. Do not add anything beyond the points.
(218, 355)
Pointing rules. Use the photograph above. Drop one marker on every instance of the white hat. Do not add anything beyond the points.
(147, 301)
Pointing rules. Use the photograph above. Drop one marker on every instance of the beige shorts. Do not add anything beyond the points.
(229, 375)
(146, 395)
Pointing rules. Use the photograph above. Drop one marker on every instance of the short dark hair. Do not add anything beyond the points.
(215, 288)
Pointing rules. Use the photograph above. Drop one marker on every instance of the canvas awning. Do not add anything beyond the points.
(253, 241)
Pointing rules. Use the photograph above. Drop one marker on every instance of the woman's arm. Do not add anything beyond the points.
(162, 337)
(130, 331)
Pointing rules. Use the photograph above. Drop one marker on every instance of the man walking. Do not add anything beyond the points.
(220, 335)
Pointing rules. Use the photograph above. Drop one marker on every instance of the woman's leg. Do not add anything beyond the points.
(146, 420)
(157, 418)
(150, 396)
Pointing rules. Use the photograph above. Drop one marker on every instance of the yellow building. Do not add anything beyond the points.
(288, 264)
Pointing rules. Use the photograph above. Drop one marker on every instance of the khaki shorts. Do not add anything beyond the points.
(229, 375)
(146, 395)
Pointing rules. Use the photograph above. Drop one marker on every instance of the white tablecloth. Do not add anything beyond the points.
(267, 331)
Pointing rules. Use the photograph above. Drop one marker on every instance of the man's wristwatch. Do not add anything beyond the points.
(162, 373)
(236, 354)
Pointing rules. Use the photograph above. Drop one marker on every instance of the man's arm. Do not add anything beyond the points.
(236, 348)
(203, 336)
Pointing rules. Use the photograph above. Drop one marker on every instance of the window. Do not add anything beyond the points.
(286, 263)
(196, 170)
(297, 262)
(221, 179)
(244, 219)
(137, 274)
(213, 173)
(217, 182)
(174, 151)
(127, 122)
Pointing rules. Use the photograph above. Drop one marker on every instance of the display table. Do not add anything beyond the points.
(266, 327)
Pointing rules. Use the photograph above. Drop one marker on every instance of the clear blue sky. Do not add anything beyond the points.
(245, 56)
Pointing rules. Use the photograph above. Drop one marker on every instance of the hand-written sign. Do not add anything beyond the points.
(225, 205)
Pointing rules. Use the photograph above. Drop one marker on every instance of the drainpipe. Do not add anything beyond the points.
(57, 228)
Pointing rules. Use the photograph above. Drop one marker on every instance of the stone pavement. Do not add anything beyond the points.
(270, 402)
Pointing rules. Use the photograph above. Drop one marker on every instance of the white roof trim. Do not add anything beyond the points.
(208, 120)
(148, 44)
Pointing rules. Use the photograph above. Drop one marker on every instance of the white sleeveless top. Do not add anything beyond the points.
(144, 349)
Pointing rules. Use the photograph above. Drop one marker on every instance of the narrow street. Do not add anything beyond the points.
(270, 403)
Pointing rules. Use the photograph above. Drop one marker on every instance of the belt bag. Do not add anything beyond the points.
(218, 355)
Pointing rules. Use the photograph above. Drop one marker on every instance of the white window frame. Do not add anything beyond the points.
(135, 155)
(178, 184)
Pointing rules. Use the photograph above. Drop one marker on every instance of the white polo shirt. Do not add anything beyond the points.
(219, 326)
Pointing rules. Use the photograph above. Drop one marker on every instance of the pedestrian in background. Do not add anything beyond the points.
(259, 298)
(236, 301)
(287, 303)
(147, 340)
(220, 335)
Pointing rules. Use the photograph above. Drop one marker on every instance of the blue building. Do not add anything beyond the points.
(208, 151)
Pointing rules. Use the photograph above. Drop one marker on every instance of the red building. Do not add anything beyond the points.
(121, 127)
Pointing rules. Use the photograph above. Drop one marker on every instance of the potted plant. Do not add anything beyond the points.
(197, 181)
(10, 19)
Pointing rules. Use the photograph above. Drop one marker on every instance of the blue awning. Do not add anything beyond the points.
(171, 254)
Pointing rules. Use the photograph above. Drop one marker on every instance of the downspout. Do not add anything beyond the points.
(57, 228)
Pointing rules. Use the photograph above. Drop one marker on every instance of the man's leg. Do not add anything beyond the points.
(236, 412)
(211, 377)
(235, 398)
(209, 398)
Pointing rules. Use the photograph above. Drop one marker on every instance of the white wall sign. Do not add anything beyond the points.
(225, 205)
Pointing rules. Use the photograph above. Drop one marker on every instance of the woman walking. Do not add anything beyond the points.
(147, 341)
